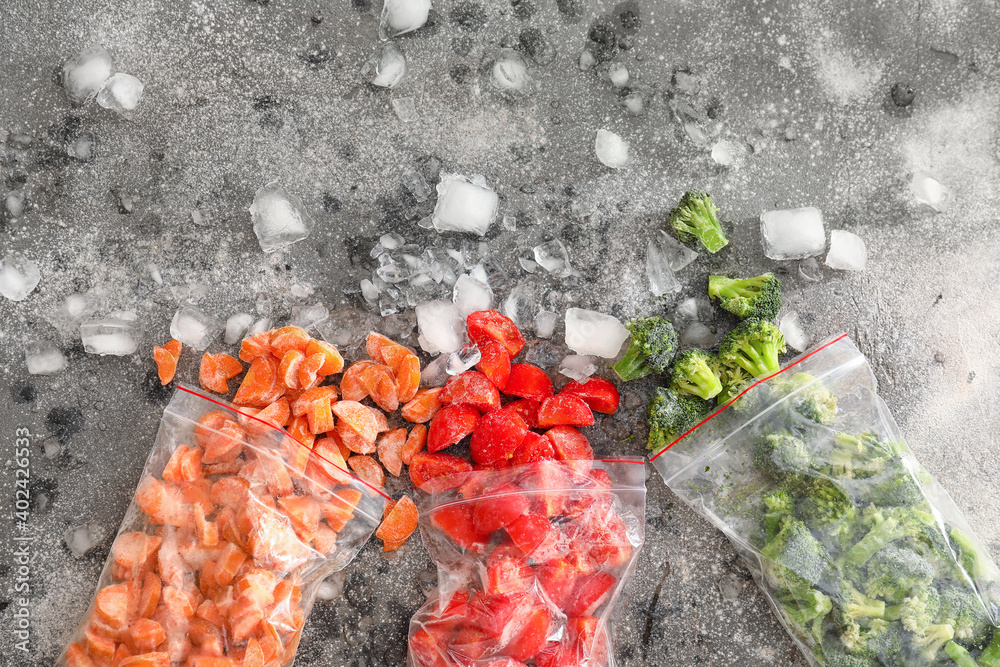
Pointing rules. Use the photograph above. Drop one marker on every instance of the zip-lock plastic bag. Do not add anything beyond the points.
(233, 526)
(862, 554)
(531, 562)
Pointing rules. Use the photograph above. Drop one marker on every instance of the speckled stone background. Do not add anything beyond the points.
(240, 93)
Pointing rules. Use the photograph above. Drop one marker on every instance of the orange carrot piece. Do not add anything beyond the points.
(153, 659)
(339, 510)
(414, 443)
(98, 645)
(257, 345)
(358, 417)
(304, 514)
(390, 447)
(332, 361)
(367, 469)
(423, 406)
(288, 338)
(407, 378)
(111, 606)
(131, 555)
(224, 444)
(216, 370)
(320, 417)
(288, 369)
(398, 524)
(150, 596)
(145, 634)
(259, 384)
(76, 656)
(328, 462)
(166, 358)
(309, 375)
(300, 406)
(184, 465)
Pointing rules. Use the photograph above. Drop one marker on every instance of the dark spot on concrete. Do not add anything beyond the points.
(627, 16)
(66, 130)
(64, 421)
(715, 109)
(902, 94)
(317, 18)
(23, 392)
(468, 16)
(462, 46)
(940, 358)
(154, 391)
(532, 43)
(269, 108)
(602, 40)
(359, 594)
(571, 10)
(331, 204)
(523, 10)
(461, 73)
(43, 493)
(972, 376)
(362, 5)
(317, 56)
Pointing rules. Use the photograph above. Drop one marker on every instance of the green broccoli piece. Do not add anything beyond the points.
(962, 608)
(694, 218)
(795, 548)
(990, 657)
(896, 485)
(828, 509)
(931, 638)
(850, 455)
(919, 608)
(808, 397)
(808, 613)
(855, 605)
(652, 347)
(734, 380)
(838, 659)
(749, 297)
(886, 527)
(671, 415)
(754, 345)
(779, 453)
(883, 641)
(694, 372)
(959, 655)
(893, 572)
(973, 560)
(780, 507)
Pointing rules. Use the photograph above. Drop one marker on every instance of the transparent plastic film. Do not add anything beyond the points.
(860, 551)
(531, 563)
(232, 528)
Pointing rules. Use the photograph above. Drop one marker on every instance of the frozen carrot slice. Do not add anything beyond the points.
(111, 605)
(98, 645)
(327, 462)
(209, 612)
(166, 358)
(296, 455)
(367, 469)
(257, 587)
(216, 370)
(309, 372)
(145, 634)
(76, 656)
(121, 653)
(184, 465)
(414, 444)
(300, 406)
(357, 417)
(195, 494)
(353, 441)
(210, 661)
(257, 345)
(230, 492)
(270, 643)
(208, 424)
(332, 361)
(352, 387)
(208, 532)
(177, 602)
(229, 563)
(253, 656)
(407, 377)
(160, 502)
(224, 444)
(381, 421)
(131, 555)
(390, 447)
(227, 468)
(325, 539)
(259, 384)
(262, 422)
(340, 509)
(150, 596)
(423, 406)
(320, 417)
(288, 369)
(304, 513)
(201, 632)
(275, 474)
(153, 659)
(298, 428)
(380, 384)
(398, 524)
(288, 338)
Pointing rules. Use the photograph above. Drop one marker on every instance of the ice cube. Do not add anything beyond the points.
(15, 204)
(676, 253)
(279, 218)
(578, 366)
(236, 326)
(464, 359)
(634, 103)
(81, 539)
(405, 108)
(464, 204)
(116, 335)
(435, 373)
(392, 273)
(416, 185)
(391, 241)
(611, 149)
(510, 73)
(346, 327)
(529, 265)
(19, 276)
(794, 233)
(121, 92)
(84, 75)
(728, 153)
(43, 358)
(698, 335)
(618, 75)
(791, 329)
(520, 305)
(930, 191)
(545, 323)
(692, 309)
(83, 147)
(471, 295)
(661, 277)
(403, 16)
(369, 291)
(441, 326)
(262, 324)
(586, 61)
(332, 587)
(810, 270)
(386, 68)
(847, 251)
(308, 316)
(194, 327)
(554, 258)
(74, 309)
(593, 333)
(154, 273)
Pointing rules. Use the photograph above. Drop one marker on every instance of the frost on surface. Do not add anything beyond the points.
(279, 218)
(441, 326)
(19, 276)
(794, 233)
(465, 204)
(589, 332)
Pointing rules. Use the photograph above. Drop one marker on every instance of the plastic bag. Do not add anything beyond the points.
(233, 526)
(861, 553)
(531, 561)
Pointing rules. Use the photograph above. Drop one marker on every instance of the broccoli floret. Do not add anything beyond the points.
(749, 297)
(671, 415)
(780, 507)
(779, 453)
(990, 656)
(885, 526)
(919, 608)
(855, 605)
(977, 564)
(651, 349)
(694, 372)
(959, 655)
(883, 641)
(851, 455)
(828, 509)
(808, 396)
(754, 346)
(896, 485)
(929, 639)
(694, 218)
(893, 572)
(962, 608)
(809, 612)
(838, 659)
(795, 548)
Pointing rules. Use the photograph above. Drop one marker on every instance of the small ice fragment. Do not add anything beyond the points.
(676, 253)
(121, 92)
(810, 270)
(554, 258)
(263, 324)
(791, 329)
(794, 233)
(116, 336)
(661, 277)
(19, 276)
(930, 191)
(586, 61)
(693, 309)
(510, 73)
(520, 305)
(405, 108)
(417, 185)
(435, 373)
(154, 273)
(194, 327)
(391, 241)
(51, 447)
(74, 309)
(308, 316)
(332, 587)
(392, 273)
(698, 335)
(464, 359)
(403, 16)
(15, 204)
(425, 222)
(611, 149)
(545, 323)
(527, 264)
(594, 333)
(728, 153)
(346, 327)
(634, 103)
(480, 273)
(236, 326)
(471, 295)
(369, 291)
(578, 366)
(441, 326)
(618, 75)
(847, 251)
(279, 218)
(43, 358)
(83, 147)
(464, 204)
(510, 223)
(386, 68)
(84, 75)
(81, 539)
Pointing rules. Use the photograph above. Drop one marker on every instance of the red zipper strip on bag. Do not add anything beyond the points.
(288, 435)
(737, 397)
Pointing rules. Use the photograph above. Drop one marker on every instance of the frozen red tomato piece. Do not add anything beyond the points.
(455, 521)
(564, 410)
(600, 394)
(501, 507)
(592, 592)
(548, 481)
(429, 649)
(588, 636)
(505, 662)
(471, 388)
(494, 362)
(489, 325)
(557, 578)
(608, 539)
(535, 536)
(534, 447)
(526, 409)
(450, 425)
(507, 571)
(495, 613)
(435, 473)
(527, 381)
(529, 633)
(573, 447)
(496, 436)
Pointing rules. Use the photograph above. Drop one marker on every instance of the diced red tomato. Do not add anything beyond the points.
(494, 362)
(501, 507)
(456, 522)
(494, 613)
(508, 573)
(535, 536)
(530, 634)
(558, 578)
(526, 410)
(533, 448)
(588, 636)
(496, 436)
(571, 446)
(471, 388)
(564, 410)
(549, 481)
(436, 473)
(489, 325)
(450, 425)
(590, 594)
(472, 644)
(527, 381)
(429, 650)
(600, 394)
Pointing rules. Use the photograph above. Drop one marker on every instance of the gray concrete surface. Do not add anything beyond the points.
(239, 93)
